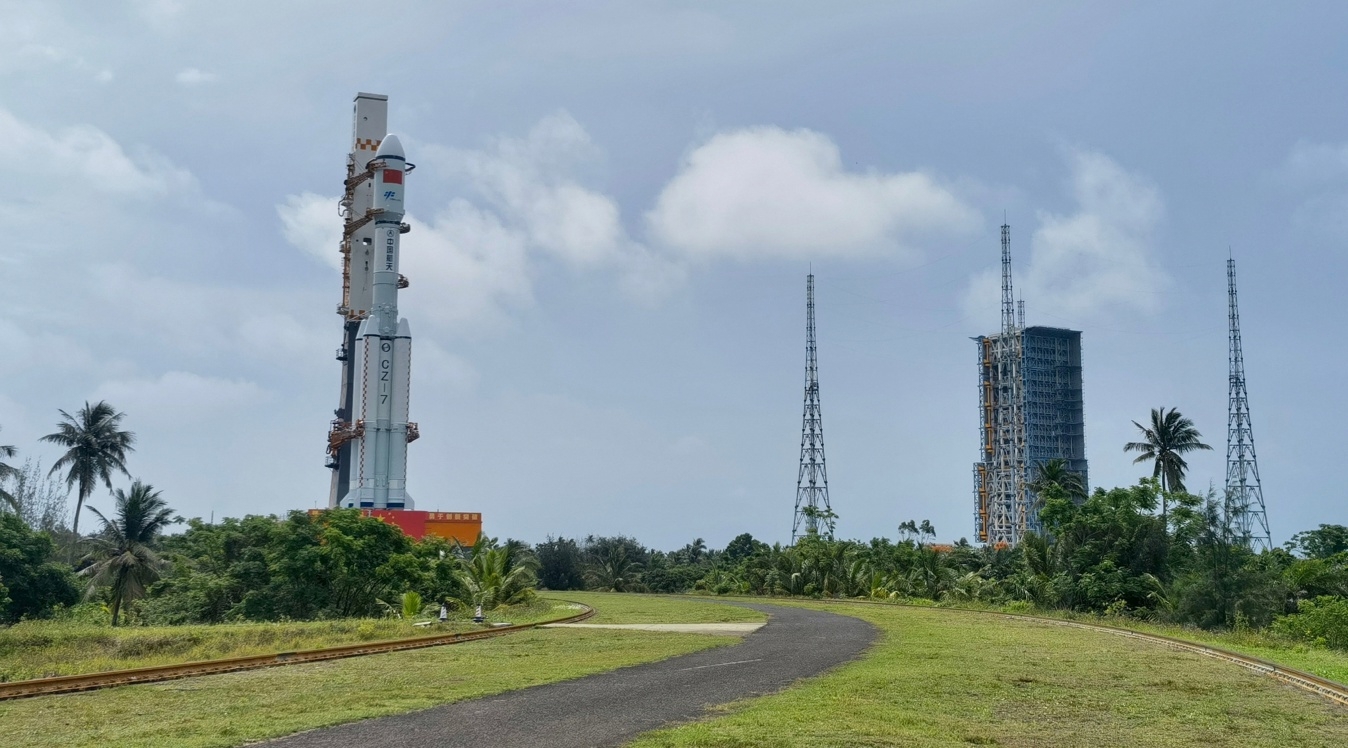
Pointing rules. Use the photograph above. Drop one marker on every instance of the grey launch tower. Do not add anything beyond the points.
(1030, 412)
(367, 444)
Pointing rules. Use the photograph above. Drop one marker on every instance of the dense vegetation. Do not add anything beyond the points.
(1109, 553)
(1153, 551)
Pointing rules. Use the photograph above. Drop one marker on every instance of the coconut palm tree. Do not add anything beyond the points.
(613, 570)
(1170, 436)
(1055, 473)
(123, 556)
(96, 447)
(498, 576)
(7, 471)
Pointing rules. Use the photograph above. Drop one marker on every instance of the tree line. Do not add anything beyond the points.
(1153, 550)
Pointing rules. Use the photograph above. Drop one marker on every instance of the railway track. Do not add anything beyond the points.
(1332, 690)
(92, 681)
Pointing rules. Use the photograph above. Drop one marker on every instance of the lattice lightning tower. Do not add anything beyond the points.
(1244, 494)
(1006, 506)
(812, 481)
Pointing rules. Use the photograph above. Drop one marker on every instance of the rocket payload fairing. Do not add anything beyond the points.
(381, 361)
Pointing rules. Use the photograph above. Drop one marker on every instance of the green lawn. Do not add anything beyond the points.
(1324, 662)
(943, 678)
(235, 708)
(39, 649)
(622, 607)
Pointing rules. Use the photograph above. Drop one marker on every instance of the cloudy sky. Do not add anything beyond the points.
(616, 207)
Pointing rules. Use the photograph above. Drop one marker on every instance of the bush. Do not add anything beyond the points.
(1323, 621)
(34, 583)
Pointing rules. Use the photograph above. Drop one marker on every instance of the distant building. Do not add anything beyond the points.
(1031, 412)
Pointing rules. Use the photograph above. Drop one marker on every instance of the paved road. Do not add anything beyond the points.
(609, 709)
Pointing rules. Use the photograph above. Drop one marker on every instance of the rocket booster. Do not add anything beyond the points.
(383, 355)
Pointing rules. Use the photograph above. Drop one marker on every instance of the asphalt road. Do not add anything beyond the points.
(609, 709)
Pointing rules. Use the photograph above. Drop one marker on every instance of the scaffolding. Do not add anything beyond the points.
(1030, 412)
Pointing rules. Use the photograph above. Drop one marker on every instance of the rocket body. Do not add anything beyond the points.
(383, 355)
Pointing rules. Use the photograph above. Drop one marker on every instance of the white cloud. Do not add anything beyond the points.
(467, 268)
(531, 182)
(1320, 172)
(194, 77)
(82, 156)
(310, 223)
(179, 398)
(1317, 162)
(472, 264)
(1097, 258)
(441, 369)
(41, 350)
(160, 13)
(769, 192)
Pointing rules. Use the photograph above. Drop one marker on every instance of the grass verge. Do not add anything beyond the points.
(40, 649)
(624, 607)
(1322, 661)
(942, 678)
(236, 708)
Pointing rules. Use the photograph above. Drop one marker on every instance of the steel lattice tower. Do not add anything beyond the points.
(812, 480)
(1006, 506)
(1244, 494)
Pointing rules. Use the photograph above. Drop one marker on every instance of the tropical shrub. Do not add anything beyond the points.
(1323, 620)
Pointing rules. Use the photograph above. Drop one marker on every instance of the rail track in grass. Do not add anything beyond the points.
(109, 678)
(1332, 690)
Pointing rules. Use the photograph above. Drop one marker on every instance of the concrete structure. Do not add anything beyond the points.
(1031, 411)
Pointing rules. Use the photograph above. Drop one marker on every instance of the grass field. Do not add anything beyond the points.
(39, 649)
(614, 607)
(235, 708)
(945, 678)
(1324, 662)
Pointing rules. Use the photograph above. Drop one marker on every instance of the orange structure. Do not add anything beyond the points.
(461, 526)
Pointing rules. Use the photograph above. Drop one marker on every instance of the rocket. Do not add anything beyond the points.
(383, 353)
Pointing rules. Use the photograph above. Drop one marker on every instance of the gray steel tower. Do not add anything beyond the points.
(1244, 494)
(1030, 408)
(812, 481)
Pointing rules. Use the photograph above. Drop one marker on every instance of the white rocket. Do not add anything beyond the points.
(383, 355)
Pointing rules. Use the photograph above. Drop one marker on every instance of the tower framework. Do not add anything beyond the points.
(368, 275)
(1244, 492)
(1031, 411)
(812, 479)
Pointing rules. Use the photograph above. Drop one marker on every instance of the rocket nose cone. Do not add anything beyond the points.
(390, 146)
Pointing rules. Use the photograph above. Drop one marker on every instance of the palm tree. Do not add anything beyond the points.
(498, 576)
(8, 471)
(123, 555)
(1055, 473)
(613, 570)
(96, 447)
(1171, 435)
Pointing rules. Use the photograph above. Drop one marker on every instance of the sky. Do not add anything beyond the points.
(615, 208)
